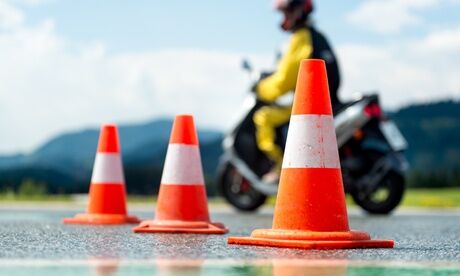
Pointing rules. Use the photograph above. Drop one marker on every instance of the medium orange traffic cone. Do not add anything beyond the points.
(310, 211)
(107, 195)
(182, 204)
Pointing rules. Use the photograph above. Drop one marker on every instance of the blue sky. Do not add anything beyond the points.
(147, 25)
(68, 65)
(237, 25)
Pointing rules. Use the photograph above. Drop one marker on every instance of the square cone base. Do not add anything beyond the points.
(101, 219)
(310, 239)
(180, 227)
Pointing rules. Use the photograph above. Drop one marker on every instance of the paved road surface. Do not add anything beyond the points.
(36, 241)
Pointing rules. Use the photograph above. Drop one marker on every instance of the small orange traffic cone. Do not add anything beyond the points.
(310, 211)
(182, 203)
(107, 195)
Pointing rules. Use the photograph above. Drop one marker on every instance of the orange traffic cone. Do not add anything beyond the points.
(310, 211)
(182, 204)
(107, 195)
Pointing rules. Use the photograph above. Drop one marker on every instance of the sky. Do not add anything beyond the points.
(67, 65)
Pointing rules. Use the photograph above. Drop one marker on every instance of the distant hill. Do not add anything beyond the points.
(64, 163)
(433, 133)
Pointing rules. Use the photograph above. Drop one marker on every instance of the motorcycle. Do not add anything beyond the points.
(370, 145)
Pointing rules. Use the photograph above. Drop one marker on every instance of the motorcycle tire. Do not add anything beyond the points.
(394, 185)
(238, 191)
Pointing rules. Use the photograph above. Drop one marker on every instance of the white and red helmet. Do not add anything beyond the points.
(296, 12)
(287, 4)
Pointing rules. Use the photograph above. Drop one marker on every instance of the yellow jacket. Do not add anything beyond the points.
(285, 78)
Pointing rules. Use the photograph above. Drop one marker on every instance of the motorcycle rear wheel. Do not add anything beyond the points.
(386, 198)
(239, 192)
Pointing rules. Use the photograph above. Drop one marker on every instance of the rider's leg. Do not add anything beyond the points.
(266, 120)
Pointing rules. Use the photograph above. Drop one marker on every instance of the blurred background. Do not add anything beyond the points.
(68, 66)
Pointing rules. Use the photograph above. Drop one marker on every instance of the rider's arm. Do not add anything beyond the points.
(285, 77)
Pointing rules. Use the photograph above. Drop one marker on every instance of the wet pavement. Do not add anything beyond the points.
(35, 240)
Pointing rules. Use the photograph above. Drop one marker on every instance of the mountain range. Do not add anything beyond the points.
(64, 163)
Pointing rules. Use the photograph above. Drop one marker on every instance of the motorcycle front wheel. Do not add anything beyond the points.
(386, 198)
(238, 191)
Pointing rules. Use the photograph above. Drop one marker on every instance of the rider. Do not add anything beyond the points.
(306, 42)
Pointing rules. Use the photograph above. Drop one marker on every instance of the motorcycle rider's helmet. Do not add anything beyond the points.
(295, 12)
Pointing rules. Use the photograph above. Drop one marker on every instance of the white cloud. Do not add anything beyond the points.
(404, 72)
(389, 16)
(441, 41)
(10, 16)
(48, 85)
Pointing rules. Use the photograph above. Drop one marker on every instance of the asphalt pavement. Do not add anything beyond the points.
(35, 240)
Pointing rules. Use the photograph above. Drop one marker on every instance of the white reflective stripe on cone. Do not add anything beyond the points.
(311, 143)
(182, 165)
(108, 169)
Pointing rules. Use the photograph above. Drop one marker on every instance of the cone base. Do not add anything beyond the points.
(180, 227)
(281, 234)
(101, 219)
(311, 239)
(303, 244)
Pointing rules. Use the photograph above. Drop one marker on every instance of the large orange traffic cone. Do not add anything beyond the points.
(107, 195)
(182, 204)
(310, 209)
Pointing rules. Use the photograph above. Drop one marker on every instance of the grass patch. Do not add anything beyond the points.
(435, 198)
(5, 197)
(427, 198)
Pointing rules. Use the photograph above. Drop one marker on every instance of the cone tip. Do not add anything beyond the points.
(313, 62)
(183, 130)
(184, 117)
(312, 90)
(108, 139)
(109, 125)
